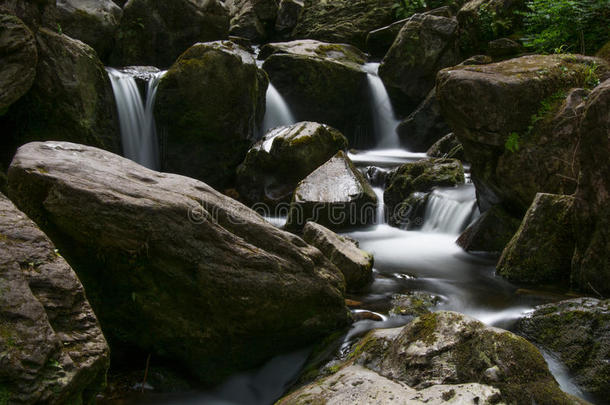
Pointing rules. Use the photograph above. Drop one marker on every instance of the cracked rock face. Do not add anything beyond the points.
(52, 349)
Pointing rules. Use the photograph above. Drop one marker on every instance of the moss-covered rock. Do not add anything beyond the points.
(286, 155)
(335, 195)
(591, 262)
(52, 348)
(320, 82)
(35, 13)
(252, 19)
(424, 126)
(343, 21)
(517, 121)
(578, 331)
(355, 264)
(173, 267)
(425, 44)
(541, 250)
(71, 99)
(604, 52)
(156, 32)
(209, 106)
(491, 232)
(414, 303)
(18, 65)
(447, 147)
(92, 21)
(420, 177)
(451, 348)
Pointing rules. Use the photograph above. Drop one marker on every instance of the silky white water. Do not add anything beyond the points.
(277, 112)
(136, 118)
(384, 121)
(449, 210)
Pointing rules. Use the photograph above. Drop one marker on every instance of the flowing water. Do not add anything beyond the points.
(136, 119)
(277, 112)
(384, 121)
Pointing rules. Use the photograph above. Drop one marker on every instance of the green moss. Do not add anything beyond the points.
(423, 329)
(5, 395)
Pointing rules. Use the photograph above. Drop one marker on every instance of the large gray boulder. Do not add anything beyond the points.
(92, 21)
(578, 332)
(320, 81)
(335, 195)
(18, 63)
(209, 106)
(541, 250)
(52, 349)
(172, 266)
(355, 264)
(286, 155)
(426, 44)
(156, 32)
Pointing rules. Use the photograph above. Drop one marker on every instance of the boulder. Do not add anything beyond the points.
(490, 232)
(379, 41)
(71, 98)
(156, 32)
(288, 14)
(335, 195)
(355, 384)
(591, 262)
(320, 82)
(604, 52)
(422, 177)
(209, 106)
(252, 19)
(518, 121)
(286, 155)
(355, 264)
(34, 13)
(541, 250)
(447, 147)
(174, 268)
(503, 47)
(425, 44)
(578, 331)
(18, 63)
(424, 126)
(52, 348)
(343, 21)
(92, 21)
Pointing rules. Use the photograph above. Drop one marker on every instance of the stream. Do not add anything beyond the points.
(426, 260)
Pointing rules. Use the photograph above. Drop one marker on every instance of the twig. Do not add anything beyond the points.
(146, 372)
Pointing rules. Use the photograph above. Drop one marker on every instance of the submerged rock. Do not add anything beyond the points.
(490, 232)
(209, 106)
(156, 32)
(420, 177)
(578, 331)
(414, 303)
(425, 44)
(71, 98)
(424, 126)
(52, 348)
(591, 262)
(320, 81)
(174, 268)
(92, 21)
(355, 264)
(335, 195)
(285, 156)
(541, 250)
(18, 63)
(511, 117)
(343, 21)
(447, 147)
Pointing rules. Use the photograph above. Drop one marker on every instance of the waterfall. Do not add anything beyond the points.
(384, 121)
(449, 210)
(277, 112)
(136, 119)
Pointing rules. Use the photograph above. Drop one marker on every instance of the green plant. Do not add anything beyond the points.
(566, 25)
(59, 30)
(492, 25)
(512, 143)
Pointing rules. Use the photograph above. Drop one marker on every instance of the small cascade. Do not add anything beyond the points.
(450, 210)
(384, 121)
(136, 119)
(277, 112)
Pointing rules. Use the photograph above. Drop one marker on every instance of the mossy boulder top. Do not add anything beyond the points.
(344, 54)
(285, 156)
(172, 266)
(53, 350)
